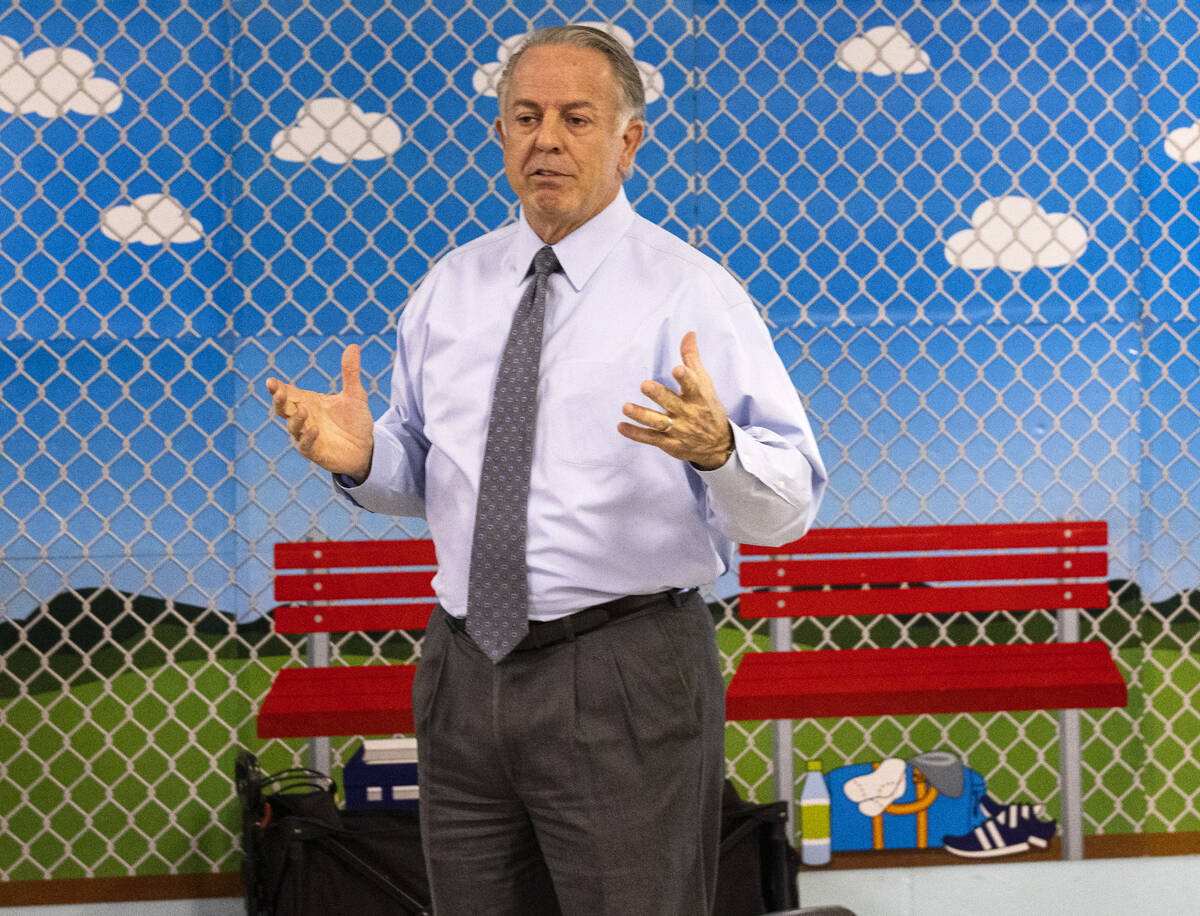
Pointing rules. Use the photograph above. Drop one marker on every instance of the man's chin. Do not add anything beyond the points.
(551, 203)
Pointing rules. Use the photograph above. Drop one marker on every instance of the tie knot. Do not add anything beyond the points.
(545, 261)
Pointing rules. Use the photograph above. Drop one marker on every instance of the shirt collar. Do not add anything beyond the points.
(581, 252)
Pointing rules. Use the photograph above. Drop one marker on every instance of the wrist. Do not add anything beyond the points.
(721, 460)
(363, 471)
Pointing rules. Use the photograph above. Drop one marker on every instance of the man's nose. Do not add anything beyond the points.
(549, 135)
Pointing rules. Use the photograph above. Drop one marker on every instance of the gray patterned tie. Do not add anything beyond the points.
(498, 588)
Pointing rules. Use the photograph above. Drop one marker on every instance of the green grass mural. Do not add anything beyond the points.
(130, 765)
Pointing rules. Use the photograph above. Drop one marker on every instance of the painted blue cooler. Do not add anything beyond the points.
(378, 779)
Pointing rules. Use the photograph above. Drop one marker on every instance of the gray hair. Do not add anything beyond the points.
(631, 95)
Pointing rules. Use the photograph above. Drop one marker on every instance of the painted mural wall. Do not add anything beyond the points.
(971, 227)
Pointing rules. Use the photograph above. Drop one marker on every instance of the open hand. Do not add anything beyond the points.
(692, 425)
(335, 431)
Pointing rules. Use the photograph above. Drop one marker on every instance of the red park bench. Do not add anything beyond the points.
(935, 570)
(343, 587)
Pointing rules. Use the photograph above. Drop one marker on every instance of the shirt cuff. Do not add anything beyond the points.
(344, 484)
(729, 470)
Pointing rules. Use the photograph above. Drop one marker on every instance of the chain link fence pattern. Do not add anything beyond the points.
(971, 228)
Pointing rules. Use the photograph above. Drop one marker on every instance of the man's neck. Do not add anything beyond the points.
(552, 231)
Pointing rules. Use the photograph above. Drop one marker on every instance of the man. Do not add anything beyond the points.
(572, 754)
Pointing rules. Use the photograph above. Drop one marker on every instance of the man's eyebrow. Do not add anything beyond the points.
(570, 106)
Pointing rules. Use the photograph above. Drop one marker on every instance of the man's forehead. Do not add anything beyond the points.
(584, 71)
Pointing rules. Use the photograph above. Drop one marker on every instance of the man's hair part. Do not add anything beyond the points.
(631, 99)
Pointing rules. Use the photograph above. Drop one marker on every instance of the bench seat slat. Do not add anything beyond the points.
(366, 700)
(942, 537)
(353, 586)
(337, 554)
(352, 618)
(972, 567)
(938, 679)
(945, 600)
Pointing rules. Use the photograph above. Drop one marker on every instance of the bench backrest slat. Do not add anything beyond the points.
(326, 574)
(341, 554)
(353, 586)
(947, 600)
(919, 569)
(942, 537)
(1014, 567)
(352, 618)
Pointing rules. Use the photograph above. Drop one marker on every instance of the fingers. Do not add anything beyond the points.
(296, 420)
(689, 351)
(691, 387)
(691, 395)
(644, 435)
(649, 419)
(692, 424)
(279, 397)
(302, 432)
(333, 430)
(352, 369)
(695, 385)
(693, 378)
(286, 399)
(664, 397)
(290, 403)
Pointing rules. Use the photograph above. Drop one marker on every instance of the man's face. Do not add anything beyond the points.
(565, 142)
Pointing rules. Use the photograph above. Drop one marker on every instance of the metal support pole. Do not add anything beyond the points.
(319, 753)
(1072, 784)
(1070, 757)
(785, 742)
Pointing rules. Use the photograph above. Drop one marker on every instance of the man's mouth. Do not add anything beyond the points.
(546, 173)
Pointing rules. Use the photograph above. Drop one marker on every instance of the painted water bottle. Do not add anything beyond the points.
(814, 817)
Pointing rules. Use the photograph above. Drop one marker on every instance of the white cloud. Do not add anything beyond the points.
(882, 51)
(620, 34)
(653, 84)
(51, 82)
(508, 47)
(487, 77)
(337, 131)
(1183, 144)
(152, 219)
(1017, 234)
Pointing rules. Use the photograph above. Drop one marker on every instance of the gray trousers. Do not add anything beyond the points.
(580, 779)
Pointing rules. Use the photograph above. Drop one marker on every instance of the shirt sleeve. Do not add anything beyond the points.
(769, 490)
(396, 482)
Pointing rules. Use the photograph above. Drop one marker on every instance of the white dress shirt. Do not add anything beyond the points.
(607, 516)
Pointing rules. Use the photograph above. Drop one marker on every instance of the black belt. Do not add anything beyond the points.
(544, 633)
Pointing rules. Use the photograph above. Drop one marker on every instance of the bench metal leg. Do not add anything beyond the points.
(1070, 764)
(319, 754)
(784, 749)
(1070, 757)
(785, 778)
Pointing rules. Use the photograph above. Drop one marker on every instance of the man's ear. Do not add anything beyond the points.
(498, 124)
(634, 133)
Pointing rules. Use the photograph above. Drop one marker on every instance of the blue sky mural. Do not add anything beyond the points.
(970, 228)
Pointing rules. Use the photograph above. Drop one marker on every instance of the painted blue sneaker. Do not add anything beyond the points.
(1009, 829)
(1011, 813)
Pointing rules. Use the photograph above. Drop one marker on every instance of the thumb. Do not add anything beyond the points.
(352, 370)
(689, 351)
